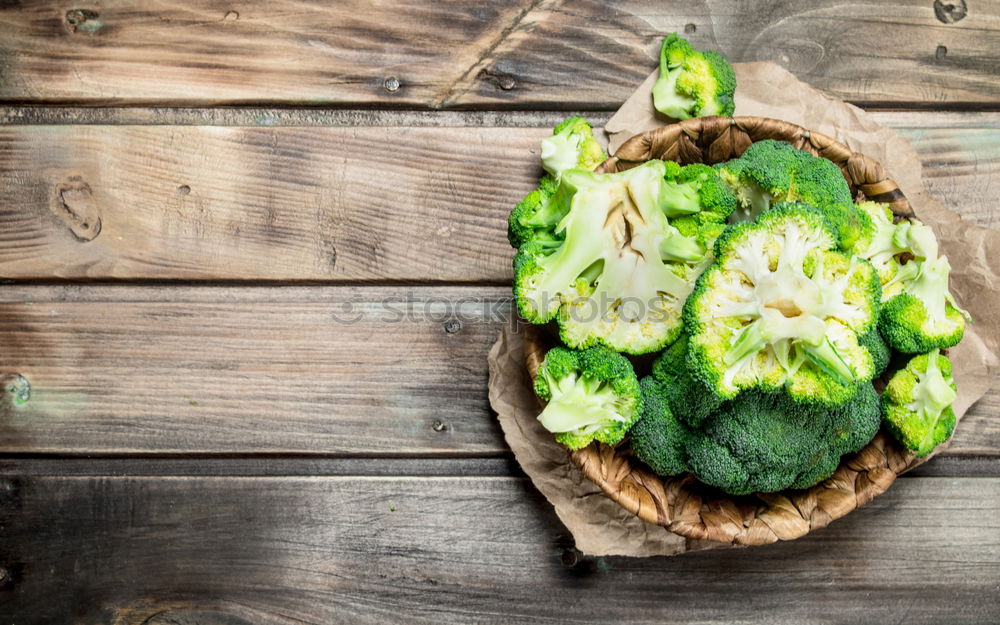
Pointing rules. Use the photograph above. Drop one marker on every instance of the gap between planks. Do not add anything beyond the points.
(504, 465)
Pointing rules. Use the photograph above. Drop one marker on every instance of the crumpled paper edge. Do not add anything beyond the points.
(598, 524)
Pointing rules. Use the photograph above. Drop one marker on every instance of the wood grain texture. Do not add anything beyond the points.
(292, 370)
(320, 203)
(322, 370)
(278, 551)
(516, 53)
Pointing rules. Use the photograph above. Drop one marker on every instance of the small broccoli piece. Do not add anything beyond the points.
(693, 83)
(571, 146)
(619, 271)
(658, 438)
(535, 217)
(781, 309)
(686, 395)
(918, 311)
(765, 442)
(883, 241)
(770, 172)
(917, 403)
(592, 394)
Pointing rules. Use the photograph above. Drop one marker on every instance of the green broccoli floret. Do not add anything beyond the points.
(572, 145)
(770, 172)
(765, 442)
(883, 241)
(699, 190)
(686, 395)
(536, 216)
(693, 83)
(591, 394)
(658, 438)
(782, 309)
(917, 403)
(918, 311)
(620, 271)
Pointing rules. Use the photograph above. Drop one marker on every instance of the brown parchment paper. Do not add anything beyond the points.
(598, 524)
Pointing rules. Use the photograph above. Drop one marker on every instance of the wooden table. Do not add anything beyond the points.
(254, 258)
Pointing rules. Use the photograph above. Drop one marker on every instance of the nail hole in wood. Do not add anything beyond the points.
(439, 426)
(941, 52)
(391, 84)
(183, 189)
(452, 326)
(690, 28)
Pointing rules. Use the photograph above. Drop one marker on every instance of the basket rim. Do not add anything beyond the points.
(678, 503)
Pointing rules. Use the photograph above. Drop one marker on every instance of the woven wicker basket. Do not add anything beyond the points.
(682, 504)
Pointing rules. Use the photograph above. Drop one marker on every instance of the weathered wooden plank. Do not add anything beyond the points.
(342, 371)
(527, 53)
(269, 551)
(292, 370)
(316, 203)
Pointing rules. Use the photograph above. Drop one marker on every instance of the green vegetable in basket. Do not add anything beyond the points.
(917, 403)
(765, 442)
(692, 83)
(919, 313)
(659, 438)
(782, 310)
(617, 269)
(572, 145)
(770, 172)
(591, 394)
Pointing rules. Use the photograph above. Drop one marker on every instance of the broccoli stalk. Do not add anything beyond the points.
(780, 308)
(692, 83)
(917, 403)
(591, 395)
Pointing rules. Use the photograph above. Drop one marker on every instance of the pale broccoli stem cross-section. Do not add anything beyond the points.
(580, 404)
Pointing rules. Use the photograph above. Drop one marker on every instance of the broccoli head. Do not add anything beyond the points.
(572, 145)
(619, 271)
(591, 394)
(917, 403)
(693, 83)
(658, 438)
(918, 311)
(770, 172)
(765, 442)
(781, 308)
(685, 394)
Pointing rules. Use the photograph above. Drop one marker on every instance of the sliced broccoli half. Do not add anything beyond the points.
(618, 271)
(591, 394)
(782, 309)
(765, 442)
(572, 145)
(917, 403)
(693, 83)
(919, 313)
